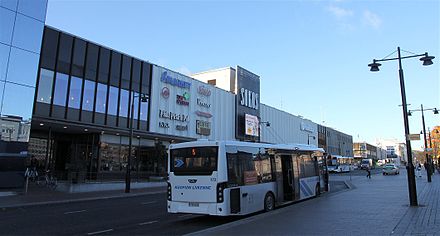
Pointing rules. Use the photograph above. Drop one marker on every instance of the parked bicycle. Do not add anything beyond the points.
(48, 180)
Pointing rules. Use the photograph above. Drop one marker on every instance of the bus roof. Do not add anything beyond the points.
(288, 146)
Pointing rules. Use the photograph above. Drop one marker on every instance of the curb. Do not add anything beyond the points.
(12, 206)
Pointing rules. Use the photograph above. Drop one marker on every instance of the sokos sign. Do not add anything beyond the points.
(249, 98)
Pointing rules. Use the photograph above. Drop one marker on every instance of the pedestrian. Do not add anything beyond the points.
(419, 170)
(368, 172)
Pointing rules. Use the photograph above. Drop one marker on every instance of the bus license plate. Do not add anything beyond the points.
(194, 204)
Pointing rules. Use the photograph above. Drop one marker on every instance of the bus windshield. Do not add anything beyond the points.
(194, 161)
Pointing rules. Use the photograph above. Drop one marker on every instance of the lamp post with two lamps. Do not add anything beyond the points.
(374, 67)
(428, 159)
(144, 98)
(267, 123)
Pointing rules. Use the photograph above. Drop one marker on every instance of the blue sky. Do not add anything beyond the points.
(312, 56)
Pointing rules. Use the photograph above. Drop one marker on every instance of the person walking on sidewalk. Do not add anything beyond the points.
(368, 172)
(419, 170)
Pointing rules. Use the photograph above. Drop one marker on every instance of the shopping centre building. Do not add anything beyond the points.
(67, 104)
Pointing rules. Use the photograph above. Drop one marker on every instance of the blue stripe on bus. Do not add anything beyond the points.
(303, 189)
(306, 187)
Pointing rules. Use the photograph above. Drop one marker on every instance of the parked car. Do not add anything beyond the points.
(390, 169)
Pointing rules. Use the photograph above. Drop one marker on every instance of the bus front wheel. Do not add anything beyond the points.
(269, 202)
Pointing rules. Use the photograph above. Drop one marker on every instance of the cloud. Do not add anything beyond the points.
(340, 12)
(372, 19)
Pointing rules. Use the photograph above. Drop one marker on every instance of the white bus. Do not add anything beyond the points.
(238, 178)
(339, 164)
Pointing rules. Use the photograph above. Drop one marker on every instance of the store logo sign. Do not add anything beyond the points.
(173, 116)
(164, 125)
(204, 114)
(203, 127)
(174, 81)
(204, 90)
(249, 98)
(202, 103)
(183, 99)
(165, 92)
(182, 127)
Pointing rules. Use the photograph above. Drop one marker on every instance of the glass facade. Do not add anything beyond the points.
(88, 90)
(21, 31)
(93, 79)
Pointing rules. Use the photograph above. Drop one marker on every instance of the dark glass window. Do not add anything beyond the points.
(49, 48)
(64, 53)
(136, 75)
(59, 97)
(113, 101)
(145, 78)
(45, 86)
(75, 92)
(126, 68)
(104, 61)
(89, 94)
(194, 161)
(115, 69)
(92, 61)
(101, 98)
(79, 55)
(123, 106)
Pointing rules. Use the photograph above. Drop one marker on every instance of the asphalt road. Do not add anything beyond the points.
(133, 215)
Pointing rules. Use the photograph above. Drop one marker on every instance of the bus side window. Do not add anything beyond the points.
(263, 167)
(233, 171)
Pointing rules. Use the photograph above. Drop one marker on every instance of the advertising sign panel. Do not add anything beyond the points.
(247, 102)
(185, 107)
(252, 125)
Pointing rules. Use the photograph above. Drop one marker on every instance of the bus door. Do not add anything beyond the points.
(287, 172)
(295, 184)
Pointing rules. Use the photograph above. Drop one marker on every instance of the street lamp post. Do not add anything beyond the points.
(267, 123)
(144, 98)
(427, 60)
(428, 159)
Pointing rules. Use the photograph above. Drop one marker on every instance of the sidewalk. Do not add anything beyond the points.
(376, 206)
(38, 195)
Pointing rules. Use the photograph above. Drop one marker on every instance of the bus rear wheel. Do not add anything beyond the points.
(269, 202)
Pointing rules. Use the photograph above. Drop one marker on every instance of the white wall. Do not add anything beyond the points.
(225, 78)
(286, 128)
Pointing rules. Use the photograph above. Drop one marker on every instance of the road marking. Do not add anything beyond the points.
(100, 232)
(73, 212)
(146, 203)
(149, 222)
